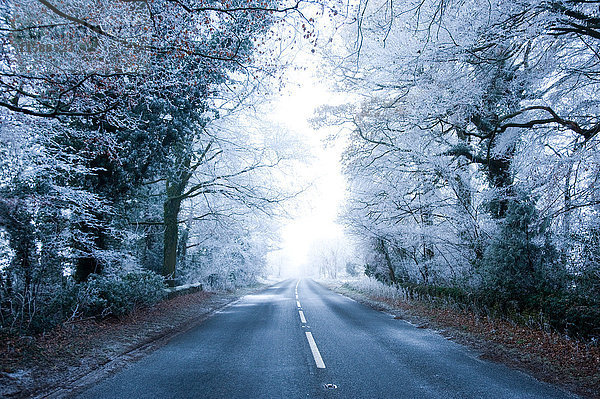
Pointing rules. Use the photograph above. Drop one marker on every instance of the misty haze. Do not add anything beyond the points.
(300, 199)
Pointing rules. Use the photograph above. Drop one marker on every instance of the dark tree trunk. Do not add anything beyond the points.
(172, 207)
(500, 178)
(388, 261)
(88, 264)
(175, 192)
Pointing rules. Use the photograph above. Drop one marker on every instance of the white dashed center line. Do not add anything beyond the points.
(315, 351)
(311, 341)
(302, 318)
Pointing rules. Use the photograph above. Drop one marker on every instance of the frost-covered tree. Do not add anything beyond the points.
(43, 204)
(232, 171)
(477, 132)
(140, 80)
(116, 164)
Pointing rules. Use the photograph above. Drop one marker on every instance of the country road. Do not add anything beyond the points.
(296, 337)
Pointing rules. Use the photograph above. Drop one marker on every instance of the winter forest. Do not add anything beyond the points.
(136, 152)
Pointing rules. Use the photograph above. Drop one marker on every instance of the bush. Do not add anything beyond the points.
(119, 295)
(520, 265)
(100, 296)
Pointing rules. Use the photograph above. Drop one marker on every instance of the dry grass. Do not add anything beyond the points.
(548, 356)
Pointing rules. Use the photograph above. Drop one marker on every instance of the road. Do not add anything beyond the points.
(314, 344)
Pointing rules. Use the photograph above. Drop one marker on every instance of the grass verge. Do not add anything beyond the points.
(75, 355)
(548, 356)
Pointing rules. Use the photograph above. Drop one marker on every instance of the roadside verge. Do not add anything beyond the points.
(75, 355)
(549, 357)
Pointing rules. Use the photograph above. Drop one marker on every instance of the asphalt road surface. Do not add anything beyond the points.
(298, 339)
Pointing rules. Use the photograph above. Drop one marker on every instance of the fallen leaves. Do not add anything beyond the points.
(549, 356)
(30, 365)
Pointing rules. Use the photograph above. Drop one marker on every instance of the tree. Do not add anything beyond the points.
(41, 211)
(478, 130)
(118, 77)
(120, 104)
(84, 58)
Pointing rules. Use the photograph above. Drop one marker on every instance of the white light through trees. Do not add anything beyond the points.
(314, 218)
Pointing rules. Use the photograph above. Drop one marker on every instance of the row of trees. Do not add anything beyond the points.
(473, 159)
(122, 158)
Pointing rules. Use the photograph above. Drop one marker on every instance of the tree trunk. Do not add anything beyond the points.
(566, 221)
(171, 207)
(175, 192)
(388, 261)
(85, 266)
(88, 263)
(500, 178)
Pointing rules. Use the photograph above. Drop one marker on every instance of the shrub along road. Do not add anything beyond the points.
(298, 340)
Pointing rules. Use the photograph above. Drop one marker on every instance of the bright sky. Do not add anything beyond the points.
(314, 223)
(316, 219)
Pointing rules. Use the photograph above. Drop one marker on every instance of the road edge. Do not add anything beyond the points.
(482, 348)
(142, 349)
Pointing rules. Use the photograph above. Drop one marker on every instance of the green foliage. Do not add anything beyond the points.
(371, 271)
(521, 274)
(377, 272)
(117, 296)
(352, 269)
(457, 294)
(573, 313)
(519, 266)
(100, 296)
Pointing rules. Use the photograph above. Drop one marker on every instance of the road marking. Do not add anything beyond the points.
(302, 318)
(315, 350)
(298, 304)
